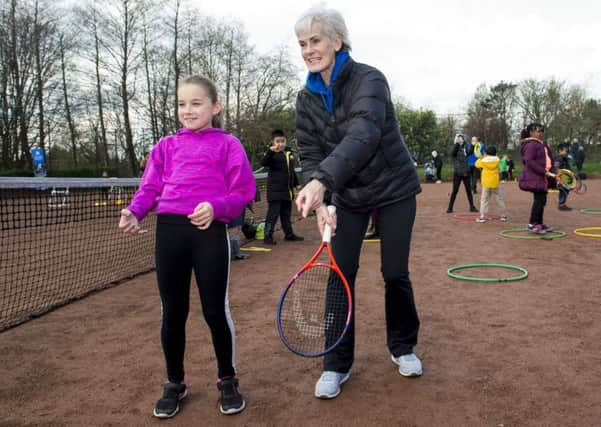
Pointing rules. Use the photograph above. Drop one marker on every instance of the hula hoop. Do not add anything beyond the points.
(473, 215)
(255, 249)
(591, 211)
(567, 178)
(546, 236)
(451, 273)
(581, 232)
(371, 240)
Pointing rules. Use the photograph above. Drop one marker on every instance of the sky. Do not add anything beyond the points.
(435, 54)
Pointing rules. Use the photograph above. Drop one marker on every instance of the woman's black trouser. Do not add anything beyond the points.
(402, 322)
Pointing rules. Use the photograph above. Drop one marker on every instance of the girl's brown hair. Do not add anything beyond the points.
(211, 89)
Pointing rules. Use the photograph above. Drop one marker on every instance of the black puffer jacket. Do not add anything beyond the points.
(358, 153)
(460, 154)
(281, 178)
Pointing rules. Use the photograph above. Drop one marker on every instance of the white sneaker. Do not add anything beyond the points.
(409, 365)
(328, 385)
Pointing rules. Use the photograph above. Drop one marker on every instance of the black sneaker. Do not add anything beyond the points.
(564, 208)
(231, 401)
(473, 209)
(168, 405)
(449, 210)
(269, 241)
(294, 238)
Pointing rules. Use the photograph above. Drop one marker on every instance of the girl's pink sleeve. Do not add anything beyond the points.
(151, 185)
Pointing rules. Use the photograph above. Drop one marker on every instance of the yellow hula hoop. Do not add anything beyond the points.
(255, 249)
(583, 232)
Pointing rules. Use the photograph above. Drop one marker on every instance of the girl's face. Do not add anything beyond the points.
(319, 51)
(537, 133)
(195, 110)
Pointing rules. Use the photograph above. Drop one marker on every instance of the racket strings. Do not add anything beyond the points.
(314, 311)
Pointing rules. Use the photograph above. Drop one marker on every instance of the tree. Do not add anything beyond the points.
(419, 129)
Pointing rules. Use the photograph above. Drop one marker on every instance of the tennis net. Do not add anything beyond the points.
(59, 241)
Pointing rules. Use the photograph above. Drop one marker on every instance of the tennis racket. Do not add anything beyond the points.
(314, 312)
(566, 178)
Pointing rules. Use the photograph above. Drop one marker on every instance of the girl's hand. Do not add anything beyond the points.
(324, 217)
(129, 223)
(202, 217)
(310, 197)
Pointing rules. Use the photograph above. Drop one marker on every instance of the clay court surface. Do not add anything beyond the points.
(525, 353)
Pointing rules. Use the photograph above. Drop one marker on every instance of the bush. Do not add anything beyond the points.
(81, 172)
(16, 172)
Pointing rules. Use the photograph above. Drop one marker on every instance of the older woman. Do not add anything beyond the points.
(354, 157)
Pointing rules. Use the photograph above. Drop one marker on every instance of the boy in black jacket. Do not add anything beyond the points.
(281, 181)
(562, 162)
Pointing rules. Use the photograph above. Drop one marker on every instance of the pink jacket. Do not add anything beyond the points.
(190, 167)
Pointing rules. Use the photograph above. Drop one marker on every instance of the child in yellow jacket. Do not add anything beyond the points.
(490, 184)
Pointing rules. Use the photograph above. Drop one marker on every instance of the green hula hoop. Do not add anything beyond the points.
(522, 276)
(591, 211)
(550, 235)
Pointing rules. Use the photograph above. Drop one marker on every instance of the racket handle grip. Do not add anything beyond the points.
(327, 230)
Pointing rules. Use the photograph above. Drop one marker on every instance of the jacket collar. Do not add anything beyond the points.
(316, 84)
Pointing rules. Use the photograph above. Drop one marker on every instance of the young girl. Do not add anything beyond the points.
(537, 161)
(198, 179)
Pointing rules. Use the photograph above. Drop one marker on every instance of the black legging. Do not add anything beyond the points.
(181, 248)
(402, 322)
(466, 183)
(538, 207)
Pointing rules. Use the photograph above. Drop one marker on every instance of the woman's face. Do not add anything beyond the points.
(319, 51)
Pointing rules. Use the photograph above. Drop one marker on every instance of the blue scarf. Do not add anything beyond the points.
(316, 84)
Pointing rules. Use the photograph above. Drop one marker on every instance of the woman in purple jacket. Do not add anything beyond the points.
(198, 180)
(538, 164)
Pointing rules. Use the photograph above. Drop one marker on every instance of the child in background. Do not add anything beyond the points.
(503, 168)
(489, 164)
(510, 167)
(537, 161)
(477, 151)
(438, 165)
(199, 180)
(281, 182)
(562, 162)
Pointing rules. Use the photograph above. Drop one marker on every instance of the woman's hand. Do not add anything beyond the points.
(202, 217)
(325, 217)
(310, 197)
(129, 223)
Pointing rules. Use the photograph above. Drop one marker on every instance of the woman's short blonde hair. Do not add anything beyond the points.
(331, 21)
